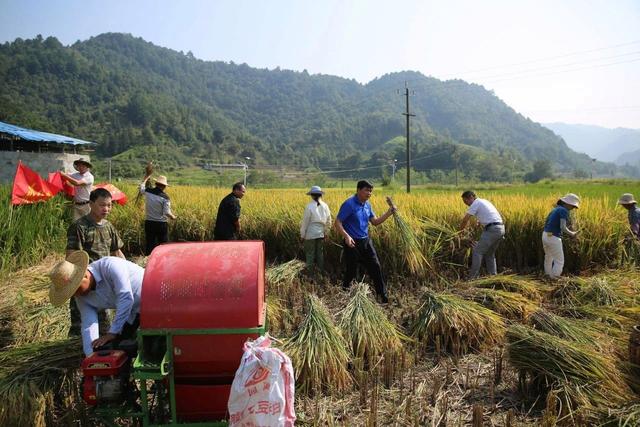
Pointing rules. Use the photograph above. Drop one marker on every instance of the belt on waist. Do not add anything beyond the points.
(81, 203)
(492, 224)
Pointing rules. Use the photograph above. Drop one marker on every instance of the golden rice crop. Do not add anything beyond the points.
(508, 304)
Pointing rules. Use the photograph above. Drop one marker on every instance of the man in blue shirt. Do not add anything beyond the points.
(352, 223)
(109, 282)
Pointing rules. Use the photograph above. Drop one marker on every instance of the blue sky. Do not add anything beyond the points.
(576, 61)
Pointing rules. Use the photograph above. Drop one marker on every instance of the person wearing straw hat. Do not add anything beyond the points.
(157, 212)
(108, 283)
(316, 221)
(352, 223)
(82, 180)
(628, 202)
(554, 226)
(492, 232)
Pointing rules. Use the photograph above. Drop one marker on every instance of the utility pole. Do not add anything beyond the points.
(455, 158)
(109, 168)
(408, 115)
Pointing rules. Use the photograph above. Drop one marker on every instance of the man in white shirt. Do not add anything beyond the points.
(109, 282)
(493, 232)
(316, 221)
(82, 180)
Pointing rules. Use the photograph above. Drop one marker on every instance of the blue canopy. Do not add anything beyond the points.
(34, 135)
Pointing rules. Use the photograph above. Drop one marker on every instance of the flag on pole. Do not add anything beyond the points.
(56, 181)
(116, 195)
(29, 187)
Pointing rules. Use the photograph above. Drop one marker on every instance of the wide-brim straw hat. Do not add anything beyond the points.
(161, 179)
(315, 190)
(626, 199)
(83, 161)
(571, 199)
(66, 277)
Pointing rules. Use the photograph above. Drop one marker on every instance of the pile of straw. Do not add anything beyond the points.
(318, 352)
(580, 371)
(283, 275)
(457, 324)
(508, 304)
(523, 285)
(35, 379)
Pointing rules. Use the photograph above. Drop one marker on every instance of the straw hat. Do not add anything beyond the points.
(161, 179)
(571, 199)
(66, 277)
(626, 199)
(83, 161)
(315, 190)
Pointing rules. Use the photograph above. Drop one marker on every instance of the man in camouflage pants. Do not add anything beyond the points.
(94, 234)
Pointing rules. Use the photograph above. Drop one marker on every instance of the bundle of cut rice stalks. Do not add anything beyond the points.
(508, 304)
(457, 324)
(570, 365)
(285, 274)
(37, 383)
(318, 352)
(366, 327)
(523, 285)
(414, 258)
(277, 316)
(441, 239)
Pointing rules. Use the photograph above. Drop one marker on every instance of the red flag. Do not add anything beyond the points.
(56, 181)
(116, 195)
(29, 187)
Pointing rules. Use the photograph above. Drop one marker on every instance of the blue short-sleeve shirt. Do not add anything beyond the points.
(355, 217)
(552, 224)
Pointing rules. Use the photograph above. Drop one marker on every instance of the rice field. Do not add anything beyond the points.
(509, 350)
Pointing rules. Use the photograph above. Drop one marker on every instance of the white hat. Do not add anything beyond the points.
(571, 199)
(66, 277)
(626, 199)
(315, 190)
(161, 179)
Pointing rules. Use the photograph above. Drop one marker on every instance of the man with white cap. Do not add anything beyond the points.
(82, 180)
(157, 211)
(316, 221)
(109, 282)
(629, 203)
(554, 226)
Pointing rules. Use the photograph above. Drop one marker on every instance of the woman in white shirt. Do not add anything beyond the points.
(315, 223)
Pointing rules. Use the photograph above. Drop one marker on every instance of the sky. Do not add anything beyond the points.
(572, 61)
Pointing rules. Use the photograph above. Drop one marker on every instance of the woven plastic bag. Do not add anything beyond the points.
(263, 389)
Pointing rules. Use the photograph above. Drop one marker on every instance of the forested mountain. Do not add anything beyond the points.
(602, 143)
(128, 94)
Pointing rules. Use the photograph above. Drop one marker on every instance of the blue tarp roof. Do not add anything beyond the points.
(35, 135)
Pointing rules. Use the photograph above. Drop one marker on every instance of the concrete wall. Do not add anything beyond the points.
(43, 163)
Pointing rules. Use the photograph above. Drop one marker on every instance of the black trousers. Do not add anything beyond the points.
(156, 233)
(363, 253)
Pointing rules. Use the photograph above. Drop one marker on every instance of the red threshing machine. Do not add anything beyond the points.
(200, 302)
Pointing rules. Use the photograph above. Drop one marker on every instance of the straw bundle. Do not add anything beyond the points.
(559, 326)
(277, 316)
(522, 285)
(318, 352)
(366, 327)
(552, 360)
(460, 324)
(35, 379)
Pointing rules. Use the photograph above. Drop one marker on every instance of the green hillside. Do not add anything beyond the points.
(126, 93)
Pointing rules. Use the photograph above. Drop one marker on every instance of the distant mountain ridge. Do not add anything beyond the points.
(609, 145)
(125, 92)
